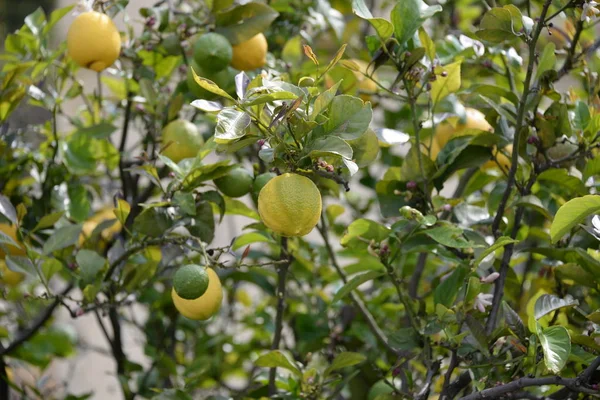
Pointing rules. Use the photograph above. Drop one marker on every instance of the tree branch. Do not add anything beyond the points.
(281, 291)
(369, 319)
(125, 181)
(520, 121)
(574, 384)
(39, 322)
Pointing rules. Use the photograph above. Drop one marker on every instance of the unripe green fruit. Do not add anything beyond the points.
(236, 183)
(190, 281)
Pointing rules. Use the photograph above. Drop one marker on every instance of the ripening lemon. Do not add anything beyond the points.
(204, 306)
(452, 128)
(112, 229)
(8, 277)
(93, 41)
(183, 140)
(250, 54)
(290, 205)
(11, 231)
(501, 158)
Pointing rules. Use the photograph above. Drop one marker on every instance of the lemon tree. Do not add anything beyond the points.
(301, 199)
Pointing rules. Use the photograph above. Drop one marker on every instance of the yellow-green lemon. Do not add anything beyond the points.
(250, 54)
(181, 139)
(204, 306)
(290, 205)
(93, 41)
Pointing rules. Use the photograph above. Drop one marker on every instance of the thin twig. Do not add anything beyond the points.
(39, 322)
(125, 182)
(281, 292)
(370, 320)
(520, 121)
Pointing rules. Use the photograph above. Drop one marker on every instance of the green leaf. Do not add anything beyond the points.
(209, 85)
(277, 358)
(497, 25)
(329, 145)
(382, 26)
(186, 202)
(365, 229)
(153, 222)
(514, 321)
(561, 177)
(582, 115)
(355, 282)
(556, 344)
(408, 16)
(478, 332)
(445, 293)
(411, 170)
(48, 220)
(236, 207)
(349, 117)
(547, 303)
(62, 238)
(21, 264)
(427, 43)
(547, 60)
(404, 339)
(449, 235)
(323, 100)
(240, 23)
(231, 125)
(204, 223)
(90, 264)
(500, 242)
(36, 21)
(269, 98)
(100, 131)
(573, 213)
(51, 266)
(206, 173)
(577, 274)
(343, 360)
(55, 17)
(249, 238)
(79, 205)
(445, 85)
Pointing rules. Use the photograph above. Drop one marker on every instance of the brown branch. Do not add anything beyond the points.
(39, 322)
(281, 292)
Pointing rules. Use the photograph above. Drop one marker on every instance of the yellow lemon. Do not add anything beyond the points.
(501, 158)
(250, 54)
(108, 233)
(10, 278)
(290, 205)
(447, 130)
(11, 231)
(93, 41)
(183, 138)
(204, 306)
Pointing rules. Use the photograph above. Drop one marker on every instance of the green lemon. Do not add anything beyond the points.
(236, 183)
(260, 182)
(190, 281)
(212, 52)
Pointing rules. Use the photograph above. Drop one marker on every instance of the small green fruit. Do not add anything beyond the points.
(190, 281)
(236, 183)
